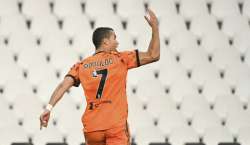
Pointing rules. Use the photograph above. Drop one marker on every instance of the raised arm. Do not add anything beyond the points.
(153, 52)
(56, 96)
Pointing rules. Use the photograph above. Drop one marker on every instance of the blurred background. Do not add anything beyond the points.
(198, 93)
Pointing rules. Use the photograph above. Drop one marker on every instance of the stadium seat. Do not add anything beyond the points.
(75, 25)
(113, 22)
(32, 9)
(246, 9)
(236, 72)
(214, 40)
(96, 8)
(128, 8)
(191, 8)
(30, 57)
(248, 57)
(152, 135)
(182, 87)
(125, 41)
(8, 7)
(237, 119)
(49, 135)
(170, 120)
(12, 25)
(44, 26)
(226, 103)
(203, 24)
(243, 136)
(162, 8)
(223, 8)
(234, 24)
(65, 8)
(171, 24)
(216, 135)
(223, 60)
(8, 66)
(203, 72)
(240, 41)
(182, 135)
(204, 119)
(215, 87)
(188, 108)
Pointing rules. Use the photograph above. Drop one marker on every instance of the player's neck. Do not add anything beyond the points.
(103, 49)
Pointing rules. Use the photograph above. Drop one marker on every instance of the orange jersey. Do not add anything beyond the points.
(103, 78)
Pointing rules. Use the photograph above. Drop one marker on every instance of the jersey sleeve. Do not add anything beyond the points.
(74, 74)
(131, 58)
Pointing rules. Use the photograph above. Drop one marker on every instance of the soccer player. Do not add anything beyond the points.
(103, 78)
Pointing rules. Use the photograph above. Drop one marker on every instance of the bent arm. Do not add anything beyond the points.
(60, 90)
(153, 52)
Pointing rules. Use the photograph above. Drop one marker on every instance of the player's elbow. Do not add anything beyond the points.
(155, 57)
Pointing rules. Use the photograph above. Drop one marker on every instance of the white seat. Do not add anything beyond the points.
(42, 72)
(182, 87)
(36, 8)
(83, 43)
(21, 41)
(46, 88)
(9, 118)
(214, 40)
(12, 134)
(55, 41)
(65, 8)
(223, 60)
(62, 60)
(240, 41)
(189, 109)
(155, 106)
(235, 24)
(246, 9)
(78, 96)
(11, 25)
(8, 66)
(171, 120)
(242, 89)
(139, 119)
(203, 24)
(243, 136)
(171, 24)
(223, 8)
(149, 90)
(171, 70)
(216, 135)
(225, 103)
(190, 58)
(8, 7)
(204, 119)
(125, 40)
(192, 8)
(248, 57)
(215, 87)
(129, 8)
(16, 87)
(153, 134)
(182, 41)
(203, 72)
(182, 135)
(162, 7)
(237, 119)
(31, 57)
(44, 26)
(236, 72)
(95, 8)
(75, 25)
(113, 22)
(48, 135)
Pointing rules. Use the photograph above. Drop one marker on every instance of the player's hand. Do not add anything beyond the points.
(151, 18)
(44, 118)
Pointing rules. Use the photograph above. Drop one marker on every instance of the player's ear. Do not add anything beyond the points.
(105, 41)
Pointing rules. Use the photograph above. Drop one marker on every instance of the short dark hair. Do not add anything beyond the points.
(99, 34)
